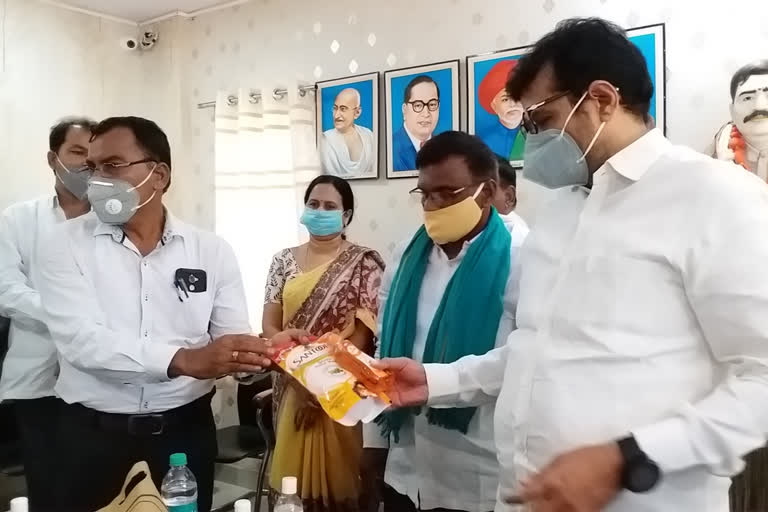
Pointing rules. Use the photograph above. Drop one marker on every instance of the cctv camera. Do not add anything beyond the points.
(129, 43)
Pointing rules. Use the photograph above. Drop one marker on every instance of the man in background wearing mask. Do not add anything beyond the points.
(30, 367)
(447, 294)
(506, 201)
(145, 312)
(640, 362)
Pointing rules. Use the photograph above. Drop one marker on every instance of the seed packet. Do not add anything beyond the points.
(339, 375)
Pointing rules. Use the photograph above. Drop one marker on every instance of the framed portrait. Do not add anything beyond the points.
(650, 41)
(493, 116)
(421, 102)
(348, 126)
(496, 118)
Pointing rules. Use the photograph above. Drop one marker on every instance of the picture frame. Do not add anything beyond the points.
(407, 129)
(493, 121)
(491, 116)
(348, 145)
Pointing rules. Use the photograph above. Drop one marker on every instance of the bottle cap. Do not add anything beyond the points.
(243, 506)
(19, 505)
(289, 485)
(178, 459)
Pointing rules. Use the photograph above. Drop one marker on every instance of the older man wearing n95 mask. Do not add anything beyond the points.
(347, 149)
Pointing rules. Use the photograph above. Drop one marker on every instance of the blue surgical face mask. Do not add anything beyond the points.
(552, 158)
(323, 222)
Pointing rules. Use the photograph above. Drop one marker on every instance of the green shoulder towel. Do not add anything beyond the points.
(465, 323)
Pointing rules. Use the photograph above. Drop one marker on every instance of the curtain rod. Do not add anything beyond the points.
(255, 97)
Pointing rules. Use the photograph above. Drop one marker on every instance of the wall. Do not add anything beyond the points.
(58, 63)
(269, 42)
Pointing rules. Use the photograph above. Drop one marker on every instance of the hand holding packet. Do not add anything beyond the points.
(339, 375)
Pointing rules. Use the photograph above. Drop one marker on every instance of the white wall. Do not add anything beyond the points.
(269, 41)
(60, 63)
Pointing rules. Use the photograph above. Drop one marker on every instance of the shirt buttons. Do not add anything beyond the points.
(146, 298)
(145, 263)
(146, 334)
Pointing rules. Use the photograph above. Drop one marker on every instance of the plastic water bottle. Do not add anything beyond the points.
(19, 505)
(243, 506)
(288, 500)
(179, 487)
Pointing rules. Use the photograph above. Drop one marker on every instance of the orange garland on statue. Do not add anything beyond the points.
(738, 145)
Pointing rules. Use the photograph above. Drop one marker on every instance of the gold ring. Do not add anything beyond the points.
(235, 353)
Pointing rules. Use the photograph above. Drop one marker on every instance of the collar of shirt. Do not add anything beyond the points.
(416, 142)
(173, 227)
(634, 160)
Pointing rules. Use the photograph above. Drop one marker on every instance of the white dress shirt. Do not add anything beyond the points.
(30, 366)
(117, 319)
(643, 309)
(434, 466)
(517, 227)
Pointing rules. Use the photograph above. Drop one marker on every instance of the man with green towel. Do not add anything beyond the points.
(449, 292)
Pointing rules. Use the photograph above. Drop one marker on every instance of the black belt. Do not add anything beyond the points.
(154, 424)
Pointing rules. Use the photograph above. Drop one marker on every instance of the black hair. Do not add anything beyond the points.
(60, 130)
(150, 137)
(507, 174)
(421, 79)
(342, 187)
(582, 50)
(480, 160)
(759, 67)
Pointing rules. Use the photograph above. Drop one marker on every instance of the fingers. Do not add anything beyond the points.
(246, 343)
(393, 365)
(244, 368)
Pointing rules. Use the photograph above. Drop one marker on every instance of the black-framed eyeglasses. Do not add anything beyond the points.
(110, 167)
(529, 125)
(418, 105)
(440, 196)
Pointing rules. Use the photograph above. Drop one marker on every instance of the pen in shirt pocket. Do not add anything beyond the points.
(181, 286)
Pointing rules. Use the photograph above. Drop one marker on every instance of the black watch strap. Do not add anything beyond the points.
(640, 473)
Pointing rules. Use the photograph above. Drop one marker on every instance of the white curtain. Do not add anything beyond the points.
(265, 157)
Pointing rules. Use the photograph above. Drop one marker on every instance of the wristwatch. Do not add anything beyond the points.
(640, 473)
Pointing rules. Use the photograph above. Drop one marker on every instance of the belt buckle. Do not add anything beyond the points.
(147, 424)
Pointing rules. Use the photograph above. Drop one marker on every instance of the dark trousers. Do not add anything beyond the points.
(37, 419)
(396, 502)
(96, 451)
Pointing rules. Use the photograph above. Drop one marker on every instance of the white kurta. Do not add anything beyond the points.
(643, 309)
(335, 154)
(433, 466)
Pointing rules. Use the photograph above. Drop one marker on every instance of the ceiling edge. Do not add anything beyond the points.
(157, 19)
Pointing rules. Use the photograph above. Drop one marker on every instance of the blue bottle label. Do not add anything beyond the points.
(189, 507)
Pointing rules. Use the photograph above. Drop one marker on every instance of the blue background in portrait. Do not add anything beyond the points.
(485, 122)
(444, 81)
(328, 95)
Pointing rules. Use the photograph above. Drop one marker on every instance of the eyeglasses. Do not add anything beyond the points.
(111, 168)
(418, 105)
(440, 196)
(529, 125)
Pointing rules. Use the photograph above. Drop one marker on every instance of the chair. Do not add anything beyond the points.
(246, 440)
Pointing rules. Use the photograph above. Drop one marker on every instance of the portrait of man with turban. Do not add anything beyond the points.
(503, 136)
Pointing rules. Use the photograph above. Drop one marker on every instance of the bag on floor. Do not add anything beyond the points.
(139, 493)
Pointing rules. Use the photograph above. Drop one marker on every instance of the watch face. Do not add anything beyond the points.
(643, 476)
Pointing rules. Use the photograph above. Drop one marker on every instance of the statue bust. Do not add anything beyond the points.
(744, 140)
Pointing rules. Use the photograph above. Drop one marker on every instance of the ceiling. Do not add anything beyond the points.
(139, 11)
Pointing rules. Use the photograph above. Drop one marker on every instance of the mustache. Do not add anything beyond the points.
(755, 114)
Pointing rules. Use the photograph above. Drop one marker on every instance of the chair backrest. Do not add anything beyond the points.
(245, 407)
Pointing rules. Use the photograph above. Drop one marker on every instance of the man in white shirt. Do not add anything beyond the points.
(421, 112)
(506, 201)
(145, 312)
(453, 283)
(30, 367)
(638, 376)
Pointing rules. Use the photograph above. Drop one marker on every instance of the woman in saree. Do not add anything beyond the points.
(327, 284)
